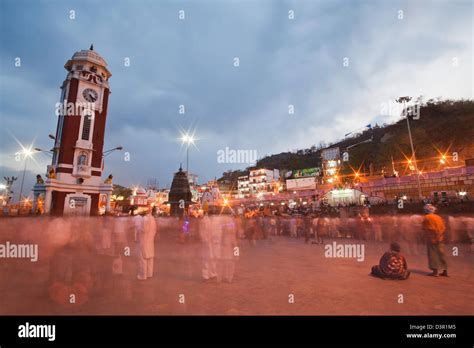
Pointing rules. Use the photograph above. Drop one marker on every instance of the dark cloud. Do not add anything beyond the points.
(190, 62)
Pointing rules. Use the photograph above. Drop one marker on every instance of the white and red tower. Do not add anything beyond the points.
(74, 184)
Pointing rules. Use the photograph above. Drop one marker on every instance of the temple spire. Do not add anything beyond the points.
(92, 47)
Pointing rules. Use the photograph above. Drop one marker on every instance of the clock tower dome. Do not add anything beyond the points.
(74, 184)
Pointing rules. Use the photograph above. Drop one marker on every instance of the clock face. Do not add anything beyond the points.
(90, 95)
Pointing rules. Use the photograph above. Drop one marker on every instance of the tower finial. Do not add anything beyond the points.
(92, 47)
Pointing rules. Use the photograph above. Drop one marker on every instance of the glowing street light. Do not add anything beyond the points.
(27, 152)
(187, 139)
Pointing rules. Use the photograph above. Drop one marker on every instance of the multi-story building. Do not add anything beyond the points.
(243, 187)
(139, 197)
(226, 187)
(331, 164)
(193, 179)
(263, 180)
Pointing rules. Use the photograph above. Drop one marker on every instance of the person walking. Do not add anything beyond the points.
(434, 229)
(145, 232)
(208, 252)
(227, 256)
(307, 221)
(293, 227)
(321, 229)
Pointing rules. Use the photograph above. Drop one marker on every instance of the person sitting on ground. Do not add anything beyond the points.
(392, 265)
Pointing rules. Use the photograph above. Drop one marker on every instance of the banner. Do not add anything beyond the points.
(330, 154)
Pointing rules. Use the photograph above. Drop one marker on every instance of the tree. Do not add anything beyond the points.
(119, 190)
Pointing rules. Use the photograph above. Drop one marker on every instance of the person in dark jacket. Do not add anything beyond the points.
(392, 265)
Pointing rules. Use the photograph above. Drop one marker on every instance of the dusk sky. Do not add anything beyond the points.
(424, 50)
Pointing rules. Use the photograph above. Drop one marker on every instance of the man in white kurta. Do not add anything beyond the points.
(228, 243)
(145, 228)
(208, 252)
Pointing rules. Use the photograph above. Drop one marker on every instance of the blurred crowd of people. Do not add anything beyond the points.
(86, 253)
(347, 223)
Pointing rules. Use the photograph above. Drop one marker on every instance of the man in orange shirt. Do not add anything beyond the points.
(434, 228)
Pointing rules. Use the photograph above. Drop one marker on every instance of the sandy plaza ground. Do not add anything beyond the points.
(268, 276)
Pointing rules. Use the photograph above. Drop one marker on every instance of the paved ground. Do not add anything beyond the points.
(266, 274)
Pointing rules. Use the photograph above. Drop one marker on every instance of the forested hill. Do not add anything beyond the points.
(446, 126)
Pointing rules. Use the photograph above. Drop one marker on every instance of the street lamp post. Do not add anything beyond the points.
(404, 100)
(49, 152)
(187, 159)
(187, 139)
(107, 152)
(27, 153)
(22, 180)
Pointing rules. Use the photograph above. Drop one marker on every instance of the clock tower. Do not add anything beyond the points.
(74, 185)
